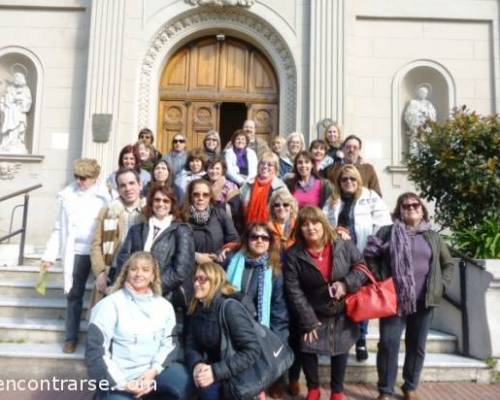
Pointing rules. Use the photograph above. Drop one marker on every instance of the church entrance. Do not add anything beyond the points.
(216, 83)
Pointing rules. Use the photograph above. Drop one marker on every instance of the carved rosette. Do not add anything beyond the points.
(225, 17)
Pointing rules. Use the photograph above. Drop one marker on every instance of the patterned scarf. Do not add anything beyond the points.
(200, 217)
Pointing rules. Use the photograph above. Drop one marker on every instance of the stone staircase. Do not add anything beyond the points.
(32, 333)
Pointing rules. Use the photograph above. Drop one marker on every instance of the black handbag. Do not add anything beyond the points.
(274, 359)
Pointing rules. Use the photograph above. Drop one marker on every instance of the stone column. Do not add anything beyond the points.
(326, 78)
(104, 76)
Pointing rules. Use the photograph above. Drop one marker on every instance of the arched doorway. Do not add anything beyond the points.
(216, 83)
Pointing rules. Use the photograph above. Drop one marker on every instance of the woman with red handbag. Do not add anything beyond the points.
(420, 264)
(319, 271)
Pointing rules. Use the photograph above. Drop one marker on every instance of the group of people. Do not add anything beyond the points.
(281, 229)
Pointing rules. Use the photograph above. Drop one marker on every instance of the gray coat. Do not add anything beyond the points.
(311, 304)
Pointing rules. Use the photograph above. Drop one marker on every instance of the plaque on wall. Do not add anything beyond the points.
(101, 127)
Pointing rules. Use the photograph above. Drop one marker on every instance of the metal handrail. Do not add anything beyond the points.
(21, 231)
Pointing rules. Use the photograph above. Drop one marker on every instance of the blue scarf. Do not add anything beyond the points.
(264, 285)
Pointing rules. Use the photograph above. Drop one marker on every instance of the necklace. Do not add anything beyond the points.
(318, 254)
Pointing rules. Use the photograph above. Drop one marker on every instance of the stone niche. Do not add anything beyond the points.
(441, 94)
(19, 101)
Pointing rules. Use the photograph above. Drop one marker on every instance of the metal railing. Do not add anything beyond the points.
(21, 231)
(461, 305)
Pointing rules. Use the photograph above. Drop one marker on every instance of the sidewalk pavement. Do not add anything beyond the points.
(427, 391)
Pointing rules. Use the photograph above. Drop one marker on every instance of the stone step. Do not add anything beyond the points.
(26, 288)
(36, 330)
(33, 307)
(31, 272)
(38, 361)
(437, 368)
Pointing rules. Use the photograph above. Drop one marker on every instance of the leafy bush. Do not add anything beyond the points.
(457, 167)
(482, 241)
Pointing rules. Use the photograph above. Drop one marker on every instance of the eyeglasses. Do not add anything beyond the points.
(348, 178)
(279, 205)
(409, 206)
(178, 141)
(211, 140)
(159, 200)
(204, 195)
(254, 237)
(200, 279)
(81, 178)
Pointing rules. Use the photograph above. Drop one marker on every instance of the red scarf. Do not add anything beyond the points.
(258, 207)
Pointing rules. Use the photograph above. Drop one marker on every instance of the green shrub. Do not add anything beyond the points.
(457, 167)
(482, 241)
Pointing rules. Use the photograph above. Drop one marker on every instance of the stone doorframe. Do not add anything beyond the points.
(236, 22)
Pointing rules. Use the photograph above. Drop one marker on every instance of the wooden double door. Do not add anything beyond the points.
(216, 84)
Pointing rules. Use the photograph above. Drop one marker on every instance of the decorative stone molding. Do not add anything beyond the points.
(253, 29)
(221, 3)
(8, 170)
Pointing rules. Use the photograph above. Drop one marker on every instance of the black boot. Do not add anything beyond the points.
(361, 351)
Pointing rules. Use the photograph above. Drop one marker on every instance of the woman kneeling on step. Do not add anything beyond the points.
(130, 338)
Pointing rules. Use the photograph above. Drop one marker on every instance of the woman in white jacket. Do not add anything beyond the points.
(240, 159)
(78, 206)
(356, 213)
(129, 340)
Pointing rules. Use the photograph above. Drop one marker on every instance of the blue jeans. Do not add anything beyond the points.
(363, 329)
(174, 383)
(417, 327)
(212, 392)
(81, 271)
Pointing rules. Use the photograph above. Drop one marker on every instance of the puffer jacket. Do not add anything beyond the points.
(307, 293)
(174, 251)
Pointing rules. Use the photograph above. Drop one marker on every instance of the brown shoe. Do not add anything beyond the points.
(69, 346)
(294, 388)
(277, 390)
(410, 394)
(384, 397)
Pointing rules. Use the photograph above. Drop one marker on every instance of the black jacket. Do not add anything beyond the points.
(174, 251)
(204, 334)
(218, 231)
(310, 302)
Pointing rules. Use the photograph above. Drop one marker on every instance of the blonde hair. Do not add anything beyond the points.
(87, 167)
(299, 136)
(271, 157)
(284, 196)
(314, 215)
(339, 130)
(218, 284)
(351, 170)
(139, 255)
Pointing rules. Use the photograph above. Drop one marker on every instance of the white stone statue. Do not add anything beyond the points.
(418, 111)
(15, 103)
(241, 3)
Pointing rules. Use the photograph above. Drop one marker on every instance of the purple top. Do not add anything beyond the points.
(241, 160)
(421, 253)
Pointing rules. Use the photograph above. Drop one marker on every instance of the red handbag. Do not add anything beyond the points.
(375, 300)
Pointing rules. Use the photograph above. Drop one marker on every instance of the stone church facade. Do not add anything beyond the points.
(99, 70)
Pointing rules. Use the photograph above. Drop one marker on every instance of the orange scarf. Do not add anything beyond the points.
(258, 207)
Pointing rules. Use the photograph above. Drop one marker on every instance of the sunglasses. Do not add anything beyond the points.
(254, 237)
(200, 279)
(348, 178)
(204, 195)
(81, 178)
(164, 201)
(279, 205)
(211, 140)
(409, 206)
(178, 141)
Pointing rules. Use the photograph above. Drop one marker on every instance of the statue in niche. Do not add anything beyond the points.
(418, 111)
(241, 3)
(15, 103)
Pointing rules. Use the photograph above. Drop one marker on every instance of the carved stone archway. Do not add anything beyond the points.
(232, 20)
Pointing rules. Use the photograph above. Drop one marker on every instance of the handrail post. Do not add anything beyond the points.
(463, 305)
(20, 259)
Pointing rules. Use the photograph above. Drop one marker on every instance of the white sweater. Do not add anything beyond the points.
(233, 171)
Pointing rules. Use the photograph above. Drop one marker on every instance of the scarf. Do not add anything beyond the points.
(200, 217)
(218, 187)
(264, 282)
(241, 160)
(346, 215)
(156, 227)
(306, 187)
(258, 207)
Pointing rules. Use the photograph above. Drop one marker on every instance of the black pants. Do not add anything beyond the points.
(338, 365)
(417, 327)
(294, 341)
(81, 271)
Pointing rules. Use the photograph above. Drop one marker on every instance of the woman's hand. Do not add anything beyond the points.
(202, 258)
(339, 289)
(223, 255)
(311, 336)
(343, 232)
(101, 282)
(203, 375)
(147, 382)
(46, 265)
